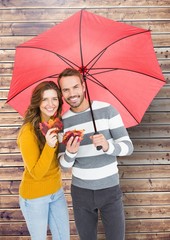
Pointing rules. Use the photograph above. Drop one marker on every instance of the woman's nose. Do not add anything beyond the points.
(50, 102)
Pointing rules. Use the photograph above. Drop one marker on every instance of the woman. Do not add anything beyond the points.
(42, 198)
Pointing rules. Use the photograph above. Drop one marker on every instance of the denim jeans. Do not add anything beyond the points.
(86, 205)
(48, 210)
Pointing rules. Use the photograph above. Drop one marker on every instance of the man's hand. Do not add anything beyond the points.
(100, 140)
(73, 144)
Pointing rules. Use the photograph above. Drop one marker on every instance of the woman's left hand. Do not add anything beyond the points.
(51, 137)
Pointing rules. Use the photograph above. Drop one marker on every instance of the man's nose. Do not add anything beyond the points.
(71, 92)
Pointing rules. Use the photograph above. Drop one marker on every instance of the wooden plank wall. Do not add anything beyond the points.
(145, 176)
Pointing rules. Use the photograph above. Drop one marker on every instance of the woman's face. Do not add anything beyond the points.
(49, 104)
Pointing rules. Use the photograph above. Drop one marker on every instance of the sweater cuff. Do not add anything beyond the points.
(71, 155)
(110, 149)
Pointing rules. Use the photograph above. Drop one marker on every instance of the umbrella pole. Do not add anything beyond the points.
(88, 97)
(92, 115)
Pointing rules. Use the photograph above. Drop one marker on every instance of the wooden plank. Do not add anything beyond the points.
(13, 215)
(11, 42)
(156, 225)
(12, 187)
(8, 146)
(141, 158)
(20, 228)
(35, 28)
(137, 158)
(11, 201)
(164, 92)
(9, 132)
(10, 160)
(147, 236)
(78, 3)
(150, 118)
(156, 118)
(147, 212)
(147, 199)
(149, 145)
(159, 105)
(17, 172)
(9, 55)
(13, 119)
(140, 131)
(130, 199)
(60, 14)
(142, 212)
(129, 236)
(144, 172)
(18, 175)
(25, 28)
(126, 172)
(145, 185)
(143, 131)
(127, 185)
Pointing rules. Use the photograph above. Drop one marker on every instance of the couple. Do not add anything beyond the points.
(95, 178)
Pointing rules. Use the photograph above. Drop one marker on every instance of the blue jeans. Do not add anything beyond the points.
(48, 210)
(88, 203)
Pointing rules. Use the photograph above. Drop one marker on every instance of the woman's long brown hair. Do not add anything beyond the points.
(33, 114)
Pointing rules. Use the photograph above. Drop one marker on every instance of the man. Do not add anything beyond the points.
(95, 178)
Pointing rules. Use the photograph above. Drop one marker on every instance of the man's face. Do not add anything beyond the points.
(73, 91)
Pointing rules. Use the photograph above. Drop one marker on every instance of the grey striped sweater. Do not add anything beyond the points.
(93, 169)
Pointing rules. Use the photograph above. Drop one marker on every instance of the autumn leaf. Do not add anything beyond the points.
(52, 123)
(73, 133)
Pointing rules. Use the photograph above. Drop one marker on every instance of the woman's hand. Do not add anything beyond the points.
(51, 137)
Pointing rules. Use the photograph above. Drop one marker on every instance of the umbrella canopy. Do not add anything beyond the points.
(117, 61)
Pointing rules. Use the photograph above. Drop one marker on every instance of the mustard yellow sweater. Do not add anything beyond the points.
(42, 175)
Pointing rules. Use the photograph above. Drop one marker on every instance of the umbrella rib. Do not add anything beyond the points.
(98, 56)
(83, 70)
(29, 86)
(80, 41)
(124, 69)
(67, 61)
(101, 85)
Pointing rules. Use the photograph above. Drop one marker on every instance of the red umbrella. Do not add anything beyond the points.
(117, 61)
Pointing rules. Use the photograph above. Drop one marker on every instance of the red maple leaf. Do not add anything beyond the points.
(52, 123)
(74, 133)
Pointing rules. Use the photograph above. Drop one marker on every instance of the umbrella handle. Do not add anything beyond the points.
(98, 147)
